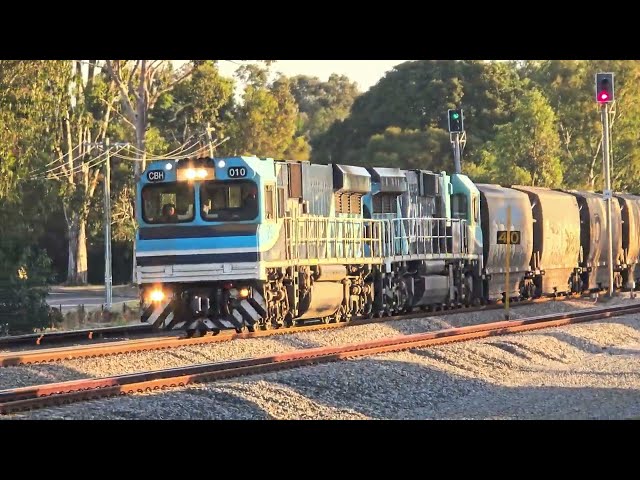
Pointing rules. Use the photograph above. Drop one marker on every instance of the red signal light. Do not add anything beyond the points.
(604, 87)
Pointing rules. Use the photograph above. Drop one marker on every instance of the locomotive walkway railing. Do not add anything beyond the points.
(340, 239)
(427, 237)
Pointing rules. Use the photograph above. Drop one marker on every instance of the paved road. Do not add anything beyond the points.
(91, 297)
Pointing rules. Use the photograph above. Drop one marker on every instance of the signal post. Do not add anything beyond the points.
(604, 96)
(457, 135)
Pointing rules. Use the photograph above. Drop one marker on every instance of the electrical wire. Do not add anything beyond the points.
(59, 159)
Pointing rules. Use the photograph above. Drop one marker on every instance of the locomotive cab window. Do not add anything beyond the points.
(228, 200)
(459, 206)
(168, 203)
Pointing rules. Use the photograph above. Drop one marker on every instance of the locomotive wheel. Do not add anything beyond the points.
(368, 311)
(288, 321)
(197, 332)
(467, 291)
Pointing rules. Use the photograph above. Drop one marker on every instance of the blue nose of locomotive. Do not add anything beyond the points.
(199, 220)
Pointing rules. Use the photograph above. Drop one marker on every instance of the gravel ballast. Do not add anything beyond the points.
(37, 374)
(589, 370)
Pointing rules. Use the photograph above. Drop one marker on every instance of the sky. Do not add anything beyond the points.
(365, 72)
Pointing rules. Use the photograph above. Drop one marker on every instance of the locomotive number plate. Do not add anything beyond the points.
(237, 172)
(514, 236)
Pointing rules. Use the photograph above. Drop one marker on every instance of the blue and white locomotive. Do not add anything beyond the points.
(255, 243)
(247, 242)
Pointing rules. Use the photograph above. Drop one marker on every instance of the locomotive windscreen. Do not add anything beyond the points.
(229, 200)
(168, 203)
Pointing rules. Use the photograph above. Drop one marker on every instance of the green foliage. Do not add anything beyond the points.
(299, 149)
(569, 86)
(266, 121)
(28, 107)
(407, 148)
(24, 274)
(416, 96)
(29, 96)
(322, 103)
(526, 150)
(155, 143)
(24, 269)
(123, 217)
(254, 75)
(187, 110)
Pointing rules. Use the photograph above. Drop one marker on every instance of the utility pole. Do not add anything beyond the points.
(108, 278)
(604, 96)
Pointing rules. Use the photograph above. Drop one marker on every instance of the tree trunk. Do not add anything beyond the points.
(81, 253)
(140, 144)
(77, 264)
(141, 114)
(73, 250)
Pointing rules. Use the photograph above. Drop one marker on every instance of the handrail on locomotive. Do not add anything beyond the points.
(341, 239)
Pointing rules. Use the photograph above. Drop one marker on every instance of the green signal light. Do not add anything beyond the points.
(455, 116)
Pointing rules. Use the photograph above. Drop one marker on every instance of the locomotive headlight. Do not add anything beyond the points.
(221, 163)
(239, 292)
(156, 295)
(168, 166)
(191, 174)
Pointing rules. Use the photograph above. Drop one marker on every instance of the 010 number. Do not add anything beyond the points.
(237, 172)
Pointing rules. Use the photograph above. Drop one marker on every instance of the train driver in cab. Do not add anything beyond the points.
(250, 202)
(169, 213)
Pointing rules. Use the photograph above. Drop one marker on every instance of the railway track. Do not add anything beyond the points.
(93, 335)
(89, 334)
(10, 359)
(26, 398)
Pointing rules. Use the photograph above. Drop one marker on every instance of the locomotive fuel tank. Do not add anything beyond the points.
(594, 239)
(494, 201)
(556, 237)
(326, 294)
